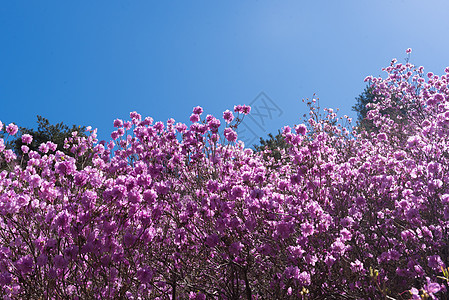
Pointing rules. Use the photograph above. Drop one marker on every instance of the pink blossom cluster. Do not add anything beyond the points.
(177, 211)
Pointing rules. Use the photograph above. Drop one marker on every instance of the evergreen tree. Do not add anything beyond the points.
(367, 96)
(272, 147)
(45, 132)
(397, 112)
(272, 143)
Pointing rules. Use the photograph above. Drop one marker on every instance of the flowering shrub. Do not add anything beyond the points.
(176, 211)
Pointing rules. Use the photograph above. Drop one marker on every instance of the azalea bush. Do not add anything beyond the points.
(177, 211)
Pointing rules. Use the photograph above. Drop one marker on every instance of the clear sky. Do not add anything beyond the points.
(89, 62)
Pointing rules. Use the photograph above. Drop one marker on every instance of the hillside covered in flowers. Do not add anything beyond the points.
(185, 211)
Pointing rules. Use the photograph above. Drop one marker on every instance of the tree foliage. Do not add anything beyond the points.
(272, 147)
(45, 132)
(366, 97)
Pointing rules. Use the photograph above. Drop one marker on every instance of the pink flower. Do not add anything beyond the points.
(27, 139)
(237, 108)
(419, 270)
(329, 261)
(400, 155)
(307, 229)
(382, 137)
(301, 129)
(121, 132)
(212, 240)
(230, 135)
(408, 51)
(213, 124)
(338, 247)
(42, 260)
(194, 118)
(159, 126)
(181, 127)
(244, 109)
(43, 148)
(413, 141)
(9, 155)
(12, 129)
(283, 230)
(65, 167)
(60, 262)
(197, 296)
(114, 135)
(25, 264)
(150, 196)
(415, 294)
(52, 146)
(345, 234)
(237, 191)
(129, 239)
(435, 262)
(136, 118)
(431, 287)
(147, 121)
(438, 98)
(356, 266)
(235, 248)
(228, 116)
(198, 110)
(118, 123)
(127, 125)
(145, 275)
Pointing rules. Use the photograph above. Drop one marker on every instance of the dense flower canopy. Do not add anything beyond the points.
(169, 210)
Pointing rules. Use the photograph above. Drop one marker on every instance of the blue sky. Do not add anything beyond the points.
(89, 62)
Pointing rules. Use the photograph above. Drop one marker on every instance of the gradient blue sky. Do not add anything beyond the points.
(89, 62)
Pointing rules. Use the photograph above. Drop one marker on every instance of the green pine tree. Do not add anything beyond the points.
(366, 97)
(272, 147)
(45, 132)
